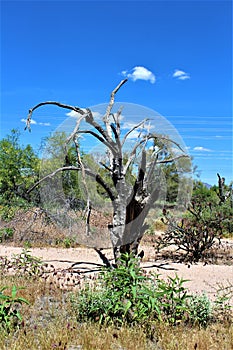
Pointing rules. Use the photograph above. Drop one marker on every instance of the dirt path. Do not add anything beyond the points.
(202, 278)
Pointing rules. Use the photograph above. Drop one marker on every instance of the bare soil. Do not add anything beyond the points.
(201, 278)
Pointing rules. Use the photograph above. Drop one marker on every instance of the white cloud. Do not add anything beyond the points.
(202, 149)
(74, 114)
(35, 122)
(140, 73)
(180, 75)
(44, 124)
(128, 125)
(133, 135)
(97, 115)
(25, 120)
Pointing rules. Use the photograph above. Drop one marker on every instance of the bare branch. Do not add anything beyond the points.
(132, 155)
(111, 103)
(170, 160)
(88, 208)
(167, 139)
(106, 120)
(90, 120)
(97, 177)
(110, 145)
(117, 121)
(151, 170)
(103, 257)
(116, 138)
(76, 129)
(106, 167)
(51, 175)
(131, 130)
(104, 185)
(62, 105)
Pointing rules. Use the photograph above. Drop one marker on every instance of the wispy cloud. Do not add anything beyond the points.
(140, 73)
(202, 149)
(74, 114)
(128, 125)
(25, 120)
(35, 122)
(180, 75)
(44, 124)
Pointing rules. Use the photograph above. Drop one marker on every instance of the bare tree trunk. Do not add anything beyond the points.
(221, 182)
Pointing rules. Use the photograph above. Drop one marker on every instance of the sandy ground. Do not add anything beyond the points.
(201, 278)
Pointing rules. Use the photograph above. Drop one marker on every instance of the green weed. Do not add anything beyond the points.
(10, 316)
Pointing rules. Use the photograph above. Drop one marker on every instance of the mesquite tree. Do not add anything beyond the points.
(131, 200)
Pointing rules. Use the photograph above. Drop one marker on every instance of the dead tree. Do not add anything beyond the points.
(221, 185)
(131, 203)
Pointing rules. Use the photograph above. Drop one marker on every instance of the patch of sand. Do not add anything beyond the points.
(201, 278)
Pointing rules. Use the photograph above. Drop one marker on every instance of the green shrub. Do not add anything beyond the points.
(6, 233)
(126, 295)
(173, 299)
(26, 264)
(10, 316)
(222, 305)
(120, 295)
(200, 310)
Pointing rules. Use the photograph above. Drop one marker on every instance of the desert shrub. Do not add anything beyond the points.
(196, 233)
(222, 305)
(194, 239)
(206, 221)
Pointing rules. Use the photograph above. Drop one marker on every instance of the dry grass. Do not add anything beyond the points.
(49, 323)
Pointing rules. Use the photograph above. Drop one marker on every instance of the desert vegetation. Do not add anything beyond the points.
(122, 306)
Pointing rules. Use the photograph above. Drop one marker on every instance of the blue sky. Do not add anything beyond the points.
(176, 54)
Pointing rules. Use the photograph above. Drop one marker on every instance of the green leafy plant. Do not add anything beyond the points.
(222, 306)
(200, 310)
(126, 295)
(121, 295)
(19, 169)
(27, 264)
(6, 233)
(133, 293)
(10, 316)
(173, 299)
(68, 242)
